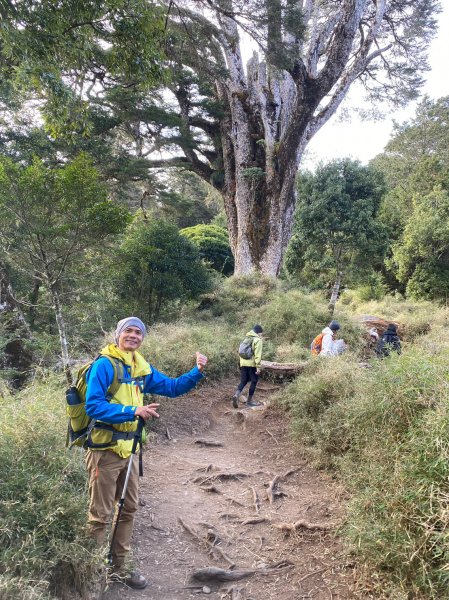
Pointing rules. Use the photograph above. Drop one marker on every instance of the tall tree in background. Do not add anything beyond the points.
(415, 164)
(337, 232)
(246, 130)
(53, 220)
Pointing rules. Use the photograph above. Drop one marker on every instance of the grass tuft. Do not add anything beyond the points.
(43, 499)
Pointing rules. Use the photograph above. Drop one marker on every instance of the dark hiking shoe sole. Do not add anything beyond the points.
(235, 402)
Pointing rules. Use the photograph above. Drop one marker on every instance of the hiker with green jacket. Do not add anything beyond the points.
(111, 439)
(250, 368)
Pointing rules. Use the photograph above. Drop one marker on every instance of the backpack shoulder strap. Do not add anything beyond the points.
(119, 375)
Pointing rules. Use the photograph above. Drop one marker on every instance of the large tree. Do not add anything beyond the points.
(245, 129)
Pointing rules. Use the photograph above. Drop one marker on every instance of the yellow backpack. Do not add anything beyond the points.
(80, 424)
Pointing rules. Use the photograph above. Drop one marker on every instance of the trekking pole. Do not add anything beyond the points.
(137, 438)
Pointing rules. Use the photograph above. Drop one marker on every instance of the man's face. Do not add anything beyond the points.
(130, 339)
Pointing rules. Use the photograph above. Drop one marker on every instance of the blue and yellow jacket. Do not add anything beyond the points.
(140, 378)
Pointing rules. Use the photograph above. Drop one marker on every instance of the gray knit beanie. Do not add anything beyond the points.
(129, 322)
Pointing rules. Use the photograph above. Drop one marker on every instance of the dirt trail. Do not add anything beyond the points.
(213, 490)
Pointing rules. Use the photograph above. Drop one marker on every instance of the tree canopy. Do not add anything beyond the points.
(213, 245)
(416, 167)
(336, 226)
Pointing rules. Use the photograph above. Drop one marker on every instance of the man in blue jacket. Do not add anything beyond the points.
(116, 417)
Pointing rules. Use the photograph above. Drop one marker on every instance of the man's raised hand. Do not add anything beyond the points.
(201, 361)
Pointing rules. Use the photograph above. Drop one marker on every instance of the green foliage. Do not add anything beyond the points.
(55, 223)
(336, 226)
(413, 143)
(294, 317)
(213, 245)
(416, 166)
(171, 347)
(45, 553)
(421, 257)
(159, 267)
(185, 199)
(91, 43)
(373, 289)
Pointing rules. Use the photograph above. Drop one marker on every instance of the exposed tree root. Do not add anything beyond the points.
(302, 524)
(220, 477)
(208, 443)
(224, 556)
(189, 529)
(256, 500)
(215, 574)
(312, 573)
(210, 540)
(254, 520)
(272, 436)
(269, 389)
(234, 501)
(233, 593)
(271, 489)
(211, 489)
(207, 469)
(273, 492)
(290, 472)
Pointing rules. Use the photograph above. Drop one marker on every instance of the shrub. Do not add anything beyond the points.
(159, 267)
(171, 347)
(213, 245)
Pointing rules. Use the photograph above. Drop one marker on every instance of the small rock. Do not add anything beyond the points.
(206, 590)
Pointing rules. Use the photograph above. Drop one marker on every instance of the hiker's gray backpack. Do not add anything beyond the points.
(246, 350)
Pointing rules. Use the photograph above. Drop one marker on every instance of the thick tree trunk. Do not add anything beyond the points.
(259, 189)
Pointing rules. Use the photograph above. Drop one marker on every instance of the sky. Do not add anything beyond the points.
(363, 140)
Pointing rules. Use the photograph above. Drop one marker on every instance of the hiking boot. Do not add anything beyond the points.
(133, 580)
(235, 400)
(253, 403)
(136, 581)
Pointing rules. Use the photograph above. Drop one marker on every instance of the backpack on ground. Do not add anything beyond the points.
(316, 345)
(246, 350)
(80, 424)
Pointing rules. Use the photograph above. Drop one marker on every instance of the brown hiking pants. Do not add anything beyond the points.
(107, 473)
